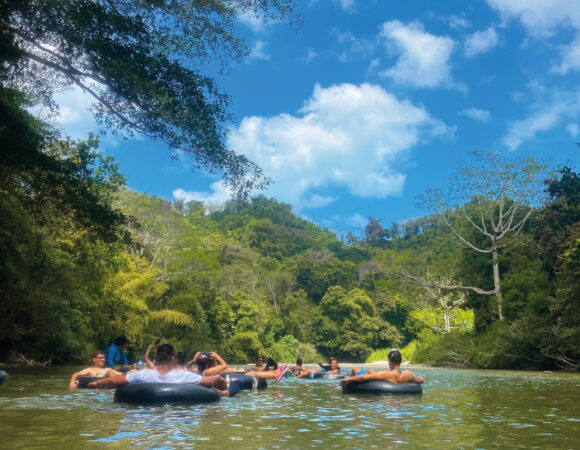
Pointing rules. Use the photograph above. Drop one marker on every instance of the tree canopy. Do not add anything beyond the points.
(142, 62)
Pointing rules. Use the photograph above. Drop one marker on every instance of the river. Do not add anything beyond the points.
(458, 409)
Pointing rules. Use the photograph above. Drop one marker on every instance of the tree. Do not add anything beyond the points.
(485, 205)
(141, 62)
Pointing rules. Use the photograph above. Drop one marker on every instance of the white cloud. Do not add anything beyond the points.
(258, 52)
(346, 5)
(354, 48)
(345, 135)
(219, 195)
(545, 116)
(570, 57)
(423, 57)
(573, 129)
(310, 55)
(540, 17)
(256, 24)
(481, 42)
(457, 22)
(479, 115)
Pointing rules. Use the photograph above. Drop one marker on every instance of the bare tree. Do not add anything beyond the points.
(493, 198)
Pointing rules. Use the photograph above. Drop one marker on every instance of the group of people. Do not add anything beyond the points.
(205, 369)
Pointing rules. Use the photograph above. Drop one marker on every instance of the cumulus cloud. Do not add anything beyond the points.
(219, 194)
(545, 115)
(344, 136)
(540, 17)
(423, 58)
(481, 42)
(457, 22)
(479, 115)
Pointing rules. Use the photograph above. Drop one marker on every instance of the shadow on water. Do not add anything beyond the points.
(475, 409)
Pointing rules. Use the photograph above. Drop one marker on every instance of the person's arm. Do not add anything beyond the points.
(214, 381)
(221, 365)
(410, 377)
(112, 373)
(384, 375)
(148, 362)
(109, 382)
(193, 361)
(73, 379)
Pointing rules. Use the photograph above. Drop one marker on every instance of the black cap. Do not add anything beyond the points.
(395, 356)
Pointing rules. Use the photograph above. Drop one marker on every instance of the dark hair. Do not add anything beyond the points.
(120, 341)
(165, 354)
(299, 362)
(395, 356)
(270, 363)
(202, 360)
(97, 353)
(181, 358)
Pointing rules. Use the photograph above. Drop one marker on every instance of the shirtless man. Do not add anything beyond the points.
(259, 365)
(98, 370)
(394, 375)
(333, 369)
(164, 373)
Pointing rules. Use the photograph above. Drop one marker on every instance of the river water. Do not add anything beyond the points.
(458, 409)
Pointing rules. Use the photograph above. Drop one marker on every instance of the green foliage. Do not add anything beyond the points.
(243, 346)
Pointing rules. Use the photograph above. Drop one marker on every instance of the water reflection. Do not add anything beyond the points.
(473, 409)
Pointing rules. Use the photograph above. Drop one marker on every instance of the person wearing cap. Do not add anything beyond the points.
(394, 375)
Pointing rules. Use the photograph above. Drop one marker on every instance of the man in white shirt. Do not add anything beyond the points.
(164, 373)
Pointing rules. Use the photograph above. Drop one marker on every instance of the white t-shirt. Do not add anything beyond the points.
(173, 376)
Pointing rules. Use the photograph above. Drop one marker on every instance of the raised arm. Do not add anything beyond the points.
(148, 361)
(221, 365)
(193, 361)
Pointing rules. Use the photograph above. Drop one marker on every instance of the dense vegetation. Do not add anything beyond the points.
(489, 278)
(84, 260)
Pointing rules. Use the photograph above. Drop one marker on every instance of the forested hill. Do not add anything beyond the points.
(83, 260)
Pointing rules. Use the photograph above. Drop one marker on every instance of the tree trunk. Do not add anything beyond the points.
(496, 283)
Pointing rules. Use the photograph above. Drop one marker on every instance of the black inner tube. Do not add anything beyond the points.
(381, 387)
(155, 393)
(83, 381)
(247, 382)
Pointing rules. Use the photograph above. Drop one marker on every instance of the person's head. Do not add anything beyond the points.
(204, 361)
(181, 358)
(259, 361)
(99, 358)
(333, 363)
(271, 364)
(121, 341)
(299, 362)
(395, 358)
(165, 354)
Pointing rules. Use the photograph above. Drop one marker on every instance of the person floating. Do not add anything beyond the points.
(333, 368)
(97, 370)
(115, 354)
(164, 373)
(259, 366)
(394, 375)
(148, 362)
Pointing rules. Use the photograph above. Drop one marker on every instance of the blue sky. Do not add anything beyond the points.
(369, 103)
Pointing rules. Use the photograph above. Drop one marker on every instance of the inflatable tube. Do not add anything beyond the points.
(83, 382)
(152, 393)
(381, 387)
(318, 375)
(247, 382)
(3, 376)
